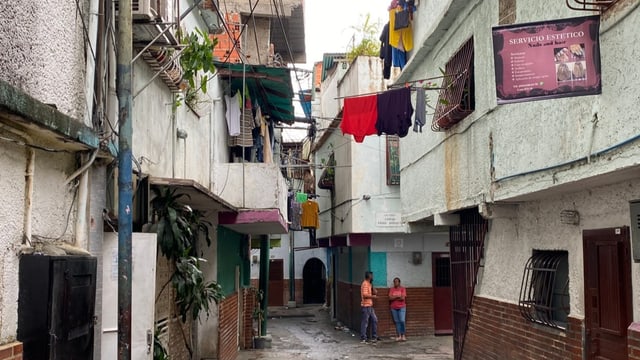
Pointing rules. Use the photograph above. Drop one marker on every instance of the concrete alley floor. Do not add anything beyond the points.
(307, 333)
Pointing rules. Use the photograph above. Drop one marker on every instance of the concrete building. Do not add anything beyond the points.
(527, 188)
(360, 210)
(58, 120)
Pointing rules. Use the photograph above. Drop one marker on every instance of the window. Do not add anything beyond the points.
(393, 160)
(544, 293)
(457, 97)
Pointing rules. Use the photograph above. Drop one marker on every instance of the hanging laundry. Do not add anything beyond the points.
(394, 112)
(310, 215)
(398, 58)
(401, 39)
(267, 147)
(421, 111)
(359, 116)
(233, 114)
(385, 52)
(245, 137)
(301, 197)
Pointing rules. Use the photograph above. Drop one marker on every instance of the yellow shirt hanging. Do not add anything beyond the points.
(400, 39)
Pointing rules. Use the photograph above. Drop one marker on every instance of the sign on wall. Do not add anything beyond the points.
(547, 60)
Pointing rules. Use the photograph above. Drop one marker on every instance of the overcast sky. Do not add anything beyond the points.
(328, 24)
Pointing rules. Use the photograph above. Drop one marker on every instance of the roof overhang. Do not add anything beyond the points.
(270, 86)
(254, 221)
(199, 196)
(48, 127)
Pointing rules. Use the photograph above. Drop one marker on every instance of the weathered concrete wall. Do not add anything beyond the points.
(400, 248)
(536, 225)
(263, 184)
(282, 252)
(50, 205)
(43, 51)
(457, 164)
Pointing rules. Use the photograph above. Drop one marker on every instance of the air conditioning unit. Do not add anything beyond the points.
(141, 9)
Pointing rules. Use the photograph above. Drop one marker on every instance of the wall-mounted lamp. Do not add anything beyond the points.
(254, 259)
(366, 197)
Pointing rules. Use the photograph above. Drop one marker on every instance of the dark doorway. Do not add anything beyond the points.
(314, 282)
(442, 305)
(607, 292)
(276, 282)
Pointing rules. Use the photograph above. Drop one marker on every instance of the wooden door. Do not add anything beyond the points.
(608, 309)
(442, 305)
(276, 282)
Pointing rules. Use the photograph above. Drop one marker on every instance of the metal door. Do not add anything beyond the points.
(442, 305)
(143, 287)
(607, 288)
(276, 282)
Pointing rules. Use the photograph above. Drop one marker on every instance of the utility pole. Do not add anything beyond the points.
(125, 185)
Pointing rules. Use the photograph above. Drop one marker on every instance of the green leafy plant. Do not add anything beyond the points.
(194, 295)
(365, 39)
(197, 64)
(178, 229)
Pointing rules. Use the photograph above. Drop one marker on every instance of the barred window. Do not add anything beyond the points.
(544, 292)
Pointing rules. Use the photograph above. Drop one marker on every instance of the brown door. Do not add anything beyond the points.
(607, 289)
(276, 282)
(442, 306)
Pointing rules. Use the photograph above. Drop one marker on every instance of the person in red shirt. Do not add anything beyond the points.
(397, 296)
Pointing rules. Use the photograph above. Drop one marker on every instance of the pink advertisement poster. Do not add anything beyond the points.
(546, 60)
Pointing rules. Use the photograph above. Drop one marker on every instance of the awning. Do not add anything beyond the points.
(199, 197)
(270, 86)
(254, 221)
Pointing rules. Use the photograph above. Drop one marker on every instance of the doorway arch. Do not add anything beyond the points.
(314, 279)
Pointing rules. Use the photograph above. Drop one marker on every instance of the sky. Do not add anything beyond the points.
(328, 29)
(328, 24)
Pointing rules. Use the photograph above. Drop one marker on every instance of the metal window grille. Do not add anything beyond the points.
(457, 99)
(590, 5)
(544, 292)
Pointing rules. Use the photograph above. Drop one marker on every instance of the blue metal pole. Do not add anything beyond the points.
(125, 184)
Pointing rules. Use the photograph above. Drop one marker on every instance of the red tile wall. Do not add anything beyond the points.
(633, 341)
(419, 320)
(11, 351)
(228, 328)
(497, 330)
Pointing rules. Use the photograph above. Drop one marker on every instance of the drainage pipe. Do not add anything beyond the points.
(28, 180)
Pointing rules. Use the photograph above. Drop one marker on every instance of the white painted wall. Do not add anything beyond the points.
(43, 51)
(536, 225)
(455, 165)
(301, 256)
(51, 202)
(400, 249)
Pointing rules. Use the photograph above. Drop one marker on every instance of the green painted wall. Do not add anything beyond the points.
(232, 252)
(378, 264)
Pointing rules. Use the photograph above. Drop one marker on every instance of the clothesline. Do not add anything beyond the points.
(405, 84)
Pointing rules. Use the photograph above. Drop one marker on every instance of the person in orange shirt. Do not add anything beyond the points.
(367, 294)
(397, 297)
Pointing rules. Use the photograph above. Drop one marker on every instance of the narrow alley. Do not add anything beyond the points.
(308, 333)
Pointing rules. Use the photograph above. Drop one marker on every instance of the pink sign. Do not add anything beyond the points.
(548, 59)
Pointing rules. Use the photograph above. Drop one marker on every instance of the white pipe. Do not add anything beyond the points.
(83, 168)
(81, 228)
(91, 64)
(28, 181)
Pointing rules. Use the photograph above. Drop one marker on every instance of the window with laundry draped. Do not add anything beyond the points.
(457, 97)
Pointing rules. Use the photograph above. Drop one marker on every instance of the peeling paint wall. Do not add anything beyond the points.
(43, 51)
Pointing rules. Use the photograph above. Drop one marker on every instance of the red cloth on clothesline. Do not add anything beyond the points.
(359, 116)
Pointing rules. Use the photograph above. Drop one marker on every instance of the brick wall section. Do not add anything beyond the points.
(497, 330)
(419, 310)
(11, 351)
(633, 341)
(228, 328)
(247, 318)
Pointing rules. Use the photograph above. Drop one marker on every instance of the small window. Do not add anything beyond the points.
(544, 293)
(457, 97)
(393, 160)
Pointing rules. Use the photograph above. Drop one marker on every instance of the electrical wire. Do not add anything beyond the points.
(66, 226)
